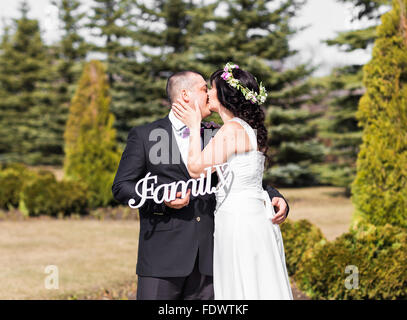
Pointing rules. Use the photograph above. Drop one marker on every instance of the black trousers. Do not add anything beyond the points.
(196, 286)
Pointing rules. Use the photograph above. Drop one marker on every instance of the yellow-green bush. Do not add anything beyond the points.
(298, 236)
(73, 198)
(10, 186)
(380, 188)
(38, 195)
(12, 178)
(379, 253)
(44, 195)
(92, 155)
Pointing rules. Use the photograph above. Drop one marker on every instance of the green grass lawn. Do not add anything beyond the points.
(94, 255)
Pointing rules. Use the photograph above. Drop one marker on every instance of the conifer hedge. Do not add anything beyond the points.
(91, 152)
(380, 188)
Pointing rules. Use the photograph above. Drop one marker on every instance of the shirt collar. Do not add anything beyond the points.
(176, 123)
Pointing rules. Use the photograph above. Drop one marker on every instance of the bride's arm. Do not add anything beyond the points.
(218, 150)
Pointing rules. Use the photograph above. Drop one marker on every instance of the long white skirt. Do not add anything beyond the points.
(249, 259)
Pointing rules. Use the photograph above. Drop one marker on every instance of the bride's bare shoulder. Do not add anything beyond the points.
(235, 134)
(231, 126)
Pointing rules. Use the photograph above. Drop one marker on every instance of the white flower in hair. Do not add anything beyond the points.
(253, 96)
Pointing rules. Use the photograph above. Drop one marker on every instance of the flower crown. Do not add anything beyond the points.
(254, 97)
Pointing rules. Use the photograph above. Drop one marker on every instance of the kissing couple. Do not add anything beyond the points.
(226, 245)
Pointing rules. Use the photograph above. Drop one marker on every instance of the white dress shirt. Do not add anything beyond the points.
(183, 143)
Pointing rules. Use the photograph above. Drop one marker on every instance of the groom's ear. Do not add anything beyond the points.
(184, 95)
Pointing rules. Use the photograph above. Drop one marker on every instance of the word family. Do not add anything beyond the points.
(167, 192)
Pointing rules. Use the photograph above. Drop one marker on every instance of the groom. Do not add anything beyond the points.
(175, 254)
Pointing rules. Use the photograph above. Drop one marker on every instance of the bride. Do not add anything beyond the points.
(249, 260)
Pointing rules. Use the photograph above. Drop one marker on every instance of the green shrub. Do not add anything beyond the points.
(43, 194)
(73, 197)
(38, 195)
(20, 167)
(379, 253)
(10, 186)
(298, 236)
(12, 178)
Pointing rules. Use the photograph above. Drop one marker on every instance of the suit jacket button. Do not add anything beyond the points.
(198, 219)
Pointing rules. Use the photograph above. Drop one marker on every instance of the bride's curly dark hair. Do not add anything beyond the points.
(234, 100)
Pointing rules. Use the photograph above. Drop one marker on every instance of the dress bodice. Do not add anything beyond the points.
(245, 170)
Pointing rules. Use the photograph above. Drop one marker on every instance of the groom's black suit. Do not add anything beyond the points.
(170, 239)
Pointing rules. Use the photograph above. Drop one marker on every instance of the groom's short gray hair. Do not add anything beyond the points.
(179, 81)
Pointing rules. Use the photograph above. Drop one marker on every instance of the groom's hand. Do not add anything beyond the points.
(179, 202)
(281, 214)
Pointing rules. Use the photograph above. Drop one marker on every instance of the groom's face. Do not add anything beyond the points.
(199, 93)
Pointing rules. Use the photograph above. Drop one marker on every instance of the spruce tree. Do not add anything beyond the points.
(111, 20)
(28, 115)
(92, 156)
(71, 50)
(255, 35)
(163, 33)
(379, 191)
(344, 89)
(294, 147)
(5, 140)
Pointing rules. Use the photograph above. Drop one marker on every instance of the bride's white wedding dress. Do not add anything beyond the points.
(249, 260)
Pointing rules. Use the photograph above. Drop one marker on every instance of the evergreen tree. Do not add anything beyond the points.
(4, 130)
(344, 89)
(163, 33)
(92, 156)
(255, 34)
(111, 20)
(338, 127)
(71, 50)
(294, 147)
(69, 54)
(380, 188)
(28, 116)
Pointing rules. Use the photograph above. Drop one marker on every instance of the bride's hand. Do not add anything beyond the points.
(190, 116)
